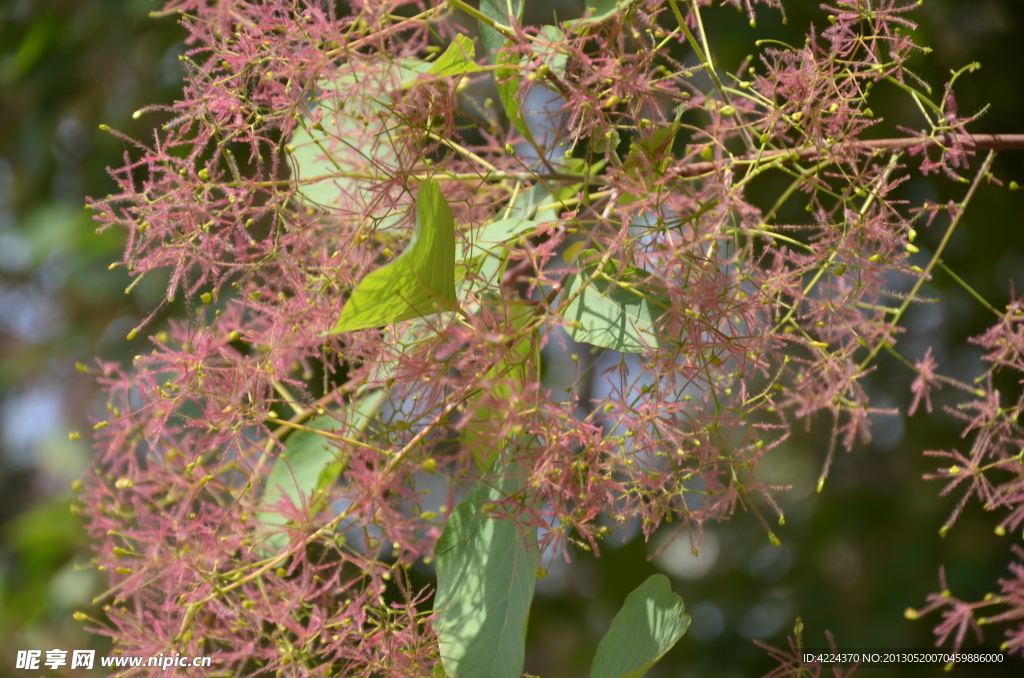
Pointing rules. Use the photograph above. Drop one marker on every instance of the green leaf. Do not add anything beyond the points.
(419, 282)
(497, 233)
(606, 314)
(517, 365)
(506, 76)
(485, 581)
(649, 157)
(457, 59)
(499, 11)
(650, 622)
(554, 57)
(342, 156)
(311, 462)
(596, 12)
(507, 81)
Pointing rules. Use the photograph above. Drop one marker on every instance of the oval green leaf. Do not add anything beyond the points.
(486, 576)
(605, 314)
(311, 462)
(419, 282)
(650, 622)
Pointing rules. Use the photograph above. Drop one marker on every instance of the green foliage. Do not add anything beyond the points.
(457, 59)
(514, 366)
(597, 11)
(610, 313)
(653, 151)
(650, 622)
(419, 282)
(506, 75)
(310, 463)
(486, 575)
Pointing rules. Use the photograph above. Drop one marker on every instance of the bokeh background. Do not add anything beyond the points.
(853, 557)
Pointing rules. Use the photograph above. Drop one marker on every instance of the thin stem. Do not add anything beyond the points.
(981, 142)
(926, 274)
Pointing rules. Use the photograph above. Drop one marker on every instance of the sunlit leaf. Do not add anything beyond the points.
(311, 462)
(457, 59)
(598, 11)
(351, 147)
(486, 576)
(650, 622)
(499, 11)
(514, 367)
(554, 57)
(419, 282)
(506, 76)
(609, 315)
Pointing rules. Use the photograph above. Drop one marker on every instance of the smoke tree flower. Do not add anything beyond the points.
(371, 261)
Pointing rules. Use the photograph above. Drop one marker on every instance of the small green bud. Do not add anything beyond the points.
(204, 174)
(206, 297)
(765, 138)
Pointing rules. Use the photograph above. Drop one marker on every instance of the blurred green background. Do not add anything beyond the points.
(853, 557)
